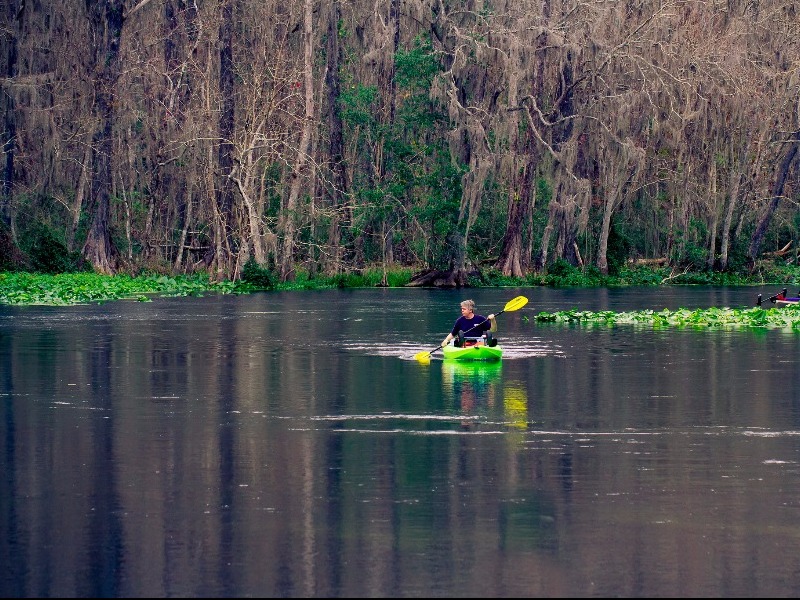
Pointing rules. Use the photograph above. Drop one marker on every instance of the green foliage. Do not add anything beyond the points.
(363, 278)
(493, 278)
(489, 227)
(634, 224)
(437, 209)
(544, 192)
(257, 277)
(772, 272)
(135, 205)
(706, 278)
(11, 259)
(737, 255)
(357, 104)
(618, 249)
(416, 187)
(398, 276)
(370, 277)
(694, 256)
(641, 276)
(560, 268)
(272, 192)
(366, 278)
(47, 253)
(562, 274)
(416, 67)
(688, 250)
(41, 221)
(423, 175)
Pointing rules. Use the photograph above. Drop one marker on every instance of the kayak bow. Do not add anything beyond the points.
(469, 353)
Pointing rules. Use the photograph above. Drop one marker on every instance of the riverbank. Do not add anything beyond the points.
(23, 288)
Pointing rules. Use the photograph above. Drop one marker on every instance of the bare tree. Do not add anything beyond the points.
(792, 146)
(625, 163)
(672, 122)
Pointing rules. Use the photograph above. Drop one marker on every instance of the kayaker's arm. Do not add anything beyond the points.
(493, 321)
(447, 339)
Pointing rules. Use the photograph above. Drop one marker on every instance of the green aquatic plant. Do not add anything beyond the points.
(83, 288)
(787, 317)
(22, 288)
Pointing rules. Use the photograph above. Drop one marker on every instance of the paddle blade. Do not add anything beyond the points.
(515, 303)
(423, 357)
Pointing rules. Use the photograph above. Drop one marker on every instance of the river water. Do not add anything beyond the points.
(289, 445)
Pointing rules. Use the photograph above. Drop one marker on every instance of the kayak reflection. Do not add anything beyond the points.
(474, 386)
(483, 397)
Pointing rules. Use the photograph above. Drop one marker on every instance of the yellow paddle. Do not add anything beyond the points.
(511, 305)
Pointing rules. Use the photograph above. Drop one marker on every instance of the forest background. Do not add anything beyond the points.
(322, 138)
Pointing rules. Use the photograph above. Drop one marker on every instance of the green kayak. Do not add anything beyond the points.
(473, 353)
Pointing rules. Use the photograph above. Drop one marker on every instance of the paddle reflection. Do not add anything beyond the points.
(515, 405)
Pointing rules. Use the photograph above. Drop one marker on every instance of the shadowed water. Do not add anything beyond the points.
(288, 444)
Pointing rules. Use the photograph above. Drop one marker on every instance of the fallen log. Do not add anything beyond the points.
(649, 262)
(782, 252)
(452, 278)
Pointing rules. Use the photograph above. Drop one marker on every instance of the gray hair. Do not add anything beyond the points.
(469, 304)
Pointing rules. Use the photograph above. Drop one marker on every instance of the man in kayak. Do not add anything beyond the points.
(470, 324)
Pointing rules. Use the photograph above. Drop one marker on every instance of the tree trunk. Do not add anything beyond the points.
(605, 231)
(252, 214)
(456, 274)
(13, 14)
(510, 261)
(566, 242)
(394, 19)
(458, 261)
(733, 197)
(290, 216)
(224, 221)
(187, 218)
(80, 193)
(777, 193)
(540, 263)
(713, 201)
(387, 242)
(106, 22)
(623, 165)
(337, 188)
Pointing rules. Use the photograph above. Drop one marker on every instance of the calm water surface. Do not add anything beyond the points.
(288, 445)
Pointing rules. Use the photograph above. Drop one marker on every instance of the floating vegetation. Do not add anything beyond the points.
(24, 288)
(787, 317)
(83, 288)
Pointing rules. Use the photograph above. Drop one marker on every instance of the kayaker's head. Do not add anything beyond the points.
(468, 308)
